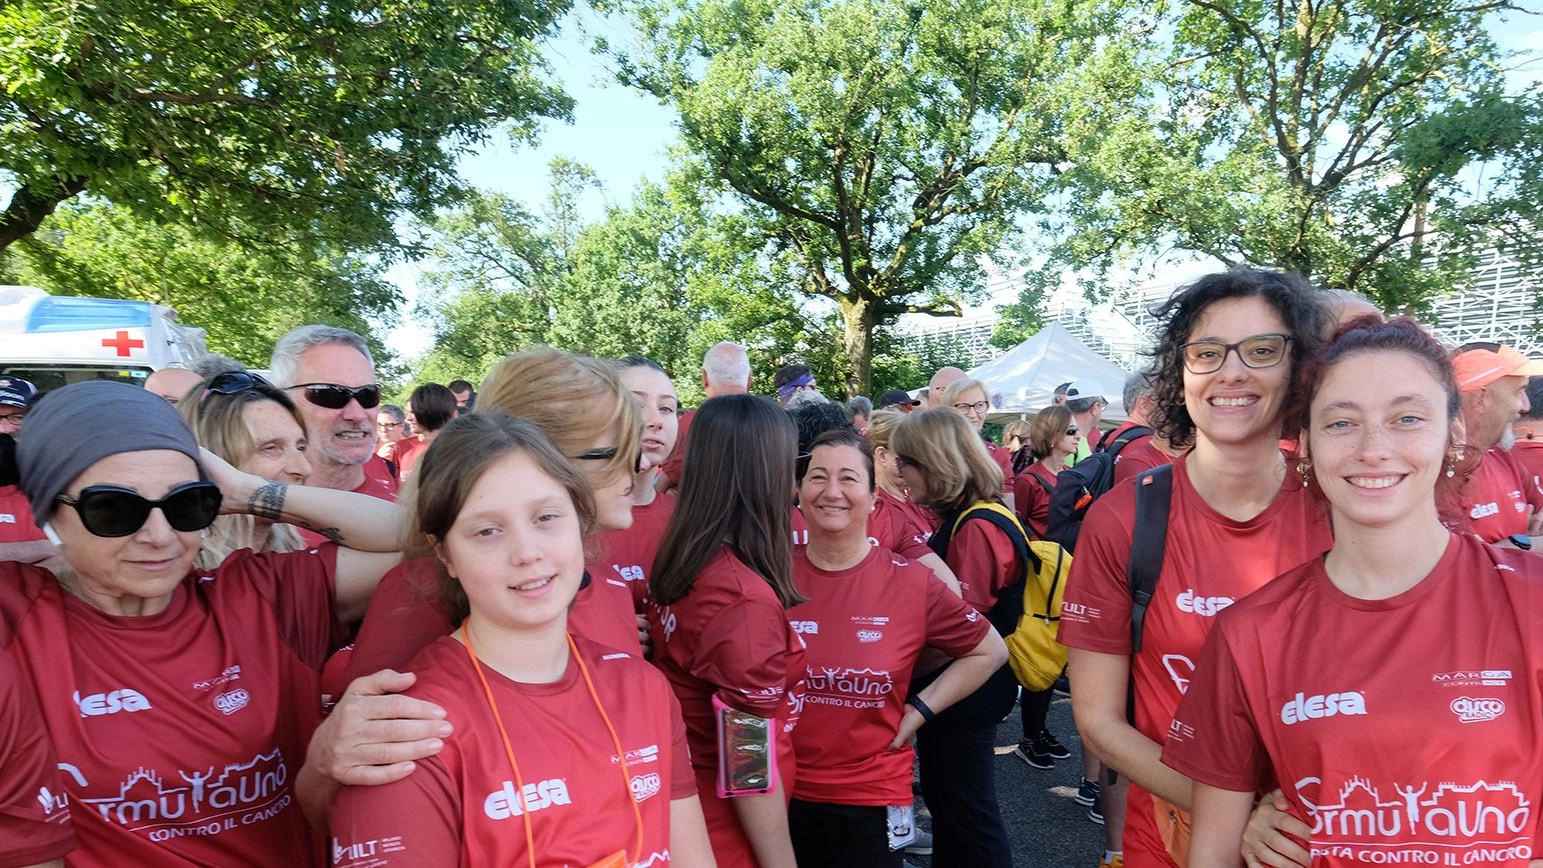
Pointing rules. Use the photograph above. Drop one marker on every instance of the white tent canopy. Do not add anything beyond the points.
(1027, 376)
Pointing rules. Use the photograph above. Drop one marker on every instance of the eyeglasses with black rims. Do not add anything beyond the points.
(1259, 351)
(233, 383)
(977, 407)
(116, 511)
(1072, 431)
(335, 397)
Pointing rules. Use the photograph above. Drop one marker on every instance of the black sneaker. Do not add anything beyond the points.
(1096, 812)
(1032, 753)
(922, 846)
(1062, 686)
(1046, 742)
(1087, 793)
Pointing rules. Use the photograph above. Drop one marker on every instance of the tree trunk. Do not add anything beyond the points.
(32, 204)
(858, 319)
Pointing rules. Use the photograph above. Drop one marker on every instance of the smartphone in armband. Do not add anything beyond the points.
(747, 752)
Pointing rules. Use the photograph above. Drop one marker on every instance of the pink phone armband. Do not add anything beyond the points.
(747, 752)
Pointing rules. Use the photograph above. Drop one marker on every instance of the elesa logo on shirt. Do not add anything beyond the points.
(111, 702)
(504, 802)
(1484, 510)
(1304, 708)
(1205, 607)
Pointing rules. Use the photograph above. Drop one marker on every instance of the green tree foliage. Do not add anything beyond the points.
(244, 297)
(320, 120)
(878, 149)
(1371, 145)
(909, 361)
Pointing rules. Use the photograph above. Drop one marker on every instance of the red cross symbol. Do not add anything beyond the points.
(123, 343)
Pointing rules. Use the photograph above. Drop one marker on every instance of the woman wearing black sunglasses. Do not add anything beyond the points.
(179, 701)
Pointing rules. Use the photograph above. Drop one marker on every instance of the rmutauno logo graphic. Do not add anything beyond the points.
(1494, 814)
(1477, 709)
(208, 801)
(1304, 708)
(111, 702)
(504, 802)
(849, 688)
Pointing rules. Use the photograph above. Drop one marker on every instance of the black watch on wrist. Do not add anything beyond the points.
(1522, 541)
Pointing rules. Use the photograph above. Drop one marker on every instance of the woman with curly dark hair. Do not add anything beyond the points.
(1237, 518)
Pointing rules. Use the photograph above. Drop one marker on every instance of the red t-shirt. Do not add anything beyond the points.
(378, 482)
(1398, 727)
(864, 628)
(673, 465)
(628, 555)
(1031, 496)
(1530, 454)
(406, 614)
(983, 559)
(729, 638)
(34, 810)
(16, 523)
(920, 516)
(1003, 457)
(891, 528)
(461, 806)
(408, 452)
(180, 734)
(1493, 503)
(1211, 562)
(1138, 457)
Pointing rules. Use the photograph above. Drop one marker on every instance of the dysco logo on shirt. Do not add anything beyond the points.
(232, 702)
(1304, 708)
(869, 636)
(1205, 607)
(1477, 710)
(504, 802)
(646, 786)
(112, 702)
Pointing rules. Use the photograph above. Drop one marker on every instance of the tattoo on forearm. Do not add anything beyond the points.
(331, 533)
(267, 501)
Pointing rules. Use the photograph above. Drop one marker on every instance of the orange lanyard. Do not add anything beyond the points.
(519, 782)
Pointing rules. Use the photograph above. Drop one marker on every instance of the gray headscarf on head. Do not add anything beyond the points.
(75, 427)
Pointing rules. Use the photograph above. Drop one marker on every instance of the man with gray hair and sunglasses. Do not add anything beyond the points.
(330, 374)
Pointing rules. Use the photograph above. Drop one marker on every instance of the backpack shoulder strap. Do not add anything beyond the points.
(1114, 446)
(1005, 520)
(1148, 545)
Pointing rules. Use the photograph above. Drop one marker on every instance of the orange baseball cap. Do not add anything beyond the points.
(1482, 364)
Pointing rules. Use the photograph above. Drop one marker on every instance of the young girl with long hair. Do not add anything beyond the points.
(717, 617)
(565, 752)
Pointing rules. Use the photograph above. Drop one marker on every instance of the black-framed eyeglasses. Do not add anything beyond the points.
(233, 383)
(388, 425)
(978, 407)
(335, 397)
(1259, 351)
(116, 511)
(607, 453)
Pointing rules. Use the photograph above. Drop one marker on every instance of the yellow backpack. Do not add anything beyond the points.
(1028, 611)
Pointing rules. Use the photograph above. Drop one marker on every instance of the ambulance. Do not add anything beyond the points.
(54, 341)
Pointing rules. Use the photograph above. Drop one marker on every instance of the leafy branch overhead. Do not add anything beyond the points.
(316, 120)
(881, 148)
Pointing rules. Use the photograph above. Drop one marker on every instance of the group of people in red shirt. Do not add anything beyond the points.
(585, 639)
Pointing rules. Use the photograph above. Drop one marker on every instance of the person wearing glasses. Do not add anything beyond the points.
(256, 428)
(1222, 378)
(391, 428)
(945, 466)
(179, 701)
(969, 397)
(330, 374)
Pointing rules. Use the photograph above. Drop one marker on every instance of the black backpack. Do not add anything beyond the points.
(1148, 547)
(1078, 486)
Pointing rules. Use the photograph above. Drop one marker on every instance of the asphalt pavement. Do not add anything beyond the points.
(1047, 828)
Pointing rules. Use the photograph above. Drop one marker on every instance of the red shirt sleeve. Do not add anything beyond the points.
(677, 459)
(1095, 615)
(404, 617)
(983, 558)
(743, 650)
(300, 587)
(34, 816)
(1212, 738)
(1031, 500)
(682, 778)
(413, 821)
(953, 626)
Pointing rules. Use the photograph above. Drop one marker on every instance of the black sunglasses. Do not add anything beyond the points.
(335, 397)
(114, 511)
(607, 453)
(233, 383)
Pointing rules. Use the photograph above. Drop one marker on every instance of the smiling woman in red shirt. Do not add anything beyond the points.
(718, 620)
(869, 614)
(566, 752)
(1390, 688)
